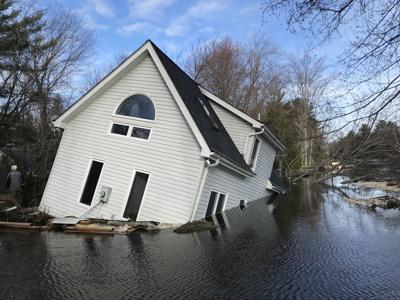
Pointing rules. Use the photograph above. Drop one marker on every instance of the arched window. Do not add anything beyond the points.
(137, 106)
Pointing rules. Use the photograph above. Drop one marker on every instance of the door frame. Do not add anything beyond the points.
(128, 191)
(83, 183)
(219, 192)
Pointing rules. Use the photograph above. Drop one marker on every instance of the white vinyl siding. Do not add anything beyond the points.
(237, 128)
(236, 186)
(171, 156)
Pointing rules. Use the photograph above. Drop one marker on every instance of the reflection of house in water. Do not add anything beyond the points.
(253, 213)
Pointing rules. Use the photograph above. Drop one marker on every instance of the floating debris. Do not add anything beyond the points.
(386, 202)
(190, 227)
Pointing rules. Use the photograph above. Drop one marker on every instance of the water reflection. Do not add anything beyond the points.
(308, 244)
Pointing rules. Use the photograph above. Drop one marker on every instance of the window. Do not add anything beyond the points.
(216, 203)
(91, 182)
(254, 154)
(211, 204)
(136, 132)
(120, 129)
(243, 204)
(136, 195)
(210, 117)
(220, 203)
(141, 133)
(137, 106)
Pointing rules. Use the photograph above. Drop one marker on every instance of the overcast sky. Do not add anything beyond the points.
(174, 25)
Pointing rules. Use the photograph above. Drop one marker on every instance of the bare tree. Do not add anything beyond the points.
(370, 60)
(50, 70)
(308, 85)
(239, 74)
(95, 75)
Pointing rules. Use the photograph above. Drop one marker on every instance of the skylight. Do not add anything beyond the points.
(210, 117)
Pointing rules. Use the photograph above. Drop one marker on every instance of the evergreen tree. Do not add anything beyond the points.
(16, 30)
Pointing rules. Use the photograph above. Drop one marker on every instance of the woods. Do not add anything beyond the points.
(283, 91)
(368, 63)
(40, 53)
(42, 50)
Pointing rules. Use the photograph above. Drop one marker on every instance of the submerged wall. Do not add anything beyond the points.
(236, 186)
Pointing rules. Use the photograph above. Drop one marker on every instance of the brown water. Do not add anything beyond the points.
(312, 245)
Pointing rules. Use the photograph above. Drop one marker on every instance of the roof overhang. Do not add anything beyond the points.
(253, 122)
(232, 166)
(120, 71)
(270, 137)
(275, 188)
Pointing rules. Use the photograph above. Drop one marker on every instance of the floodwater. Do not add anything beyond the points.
(309, 244)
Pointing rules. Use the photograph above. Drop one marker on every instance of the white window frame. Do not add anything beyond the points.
(135, 118)
(117, 123)
(256, 155)
(137, 138)
(82, 187)
(246, 202)
(128, 191)
(130, 128)
(216, 202)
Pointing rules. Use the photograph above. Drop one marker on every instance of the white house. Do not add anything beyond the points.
(150, 144)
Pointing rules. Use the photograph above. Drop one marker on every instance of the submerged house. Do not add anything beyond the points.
(149, 143)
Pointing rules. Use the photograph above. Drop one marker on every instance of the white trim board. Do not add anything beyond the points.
(237, 112)
(116, 74)
(255, 123)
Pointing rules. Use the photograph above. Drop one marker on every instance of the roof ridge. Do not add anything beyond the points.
(176, 65)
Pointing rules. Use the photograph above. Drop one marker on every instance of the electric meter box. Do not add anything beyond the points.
(105, 194)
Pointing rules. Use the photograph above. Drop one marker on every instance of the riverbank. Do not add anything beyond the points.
(367, 193)
(388, 186)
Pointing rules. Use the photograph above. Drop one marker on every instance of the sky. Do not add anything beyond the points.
(121, 26)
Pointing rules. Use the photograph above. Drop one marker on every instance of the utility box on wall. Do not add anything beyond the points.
(105, 194)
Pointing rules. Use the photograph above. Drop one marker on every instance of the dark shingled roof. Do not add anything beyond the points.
(210, 126)
(277, 182)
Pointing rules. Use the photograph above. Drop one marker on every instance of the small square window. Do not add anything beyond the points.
(119, 129)
(141, 133)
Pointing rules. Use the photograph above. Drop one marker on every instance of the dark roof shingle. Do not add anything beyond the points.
(207, 121)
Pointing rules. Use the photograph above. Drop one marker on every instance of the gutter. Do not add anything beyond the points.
(232, 166)
(247, 140)
(274, 140)
(269, 136)
(257, 133)
(207, 164)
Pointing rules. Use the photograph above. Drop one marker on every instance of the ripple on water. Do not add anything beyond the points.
(313, 245)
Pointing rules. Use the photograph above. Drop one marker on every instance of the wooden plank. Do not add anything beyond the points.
(22, 225)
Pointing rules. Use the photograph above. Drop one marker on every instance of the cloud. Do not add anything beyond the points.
(203, 9)
(103, 8)
(206, 29)
(88, 18)
(170, 47)
(147, 9)
(141, 27)
(176, 29)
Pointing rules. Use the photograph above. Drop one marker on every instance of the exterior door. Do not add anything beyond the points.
(136, 195)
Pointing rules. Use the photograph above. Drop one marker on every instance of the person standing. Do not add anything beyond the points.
(14, 184)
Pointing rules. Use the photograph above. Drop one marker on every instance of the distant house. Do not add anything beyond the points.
(149, 143)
